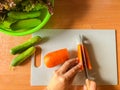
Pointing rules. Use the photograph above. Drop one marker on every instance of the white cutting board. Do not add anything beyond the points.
(101, 47)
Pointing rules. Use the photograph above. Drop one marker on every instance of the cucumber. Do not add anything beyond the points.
(6, 23)
(23, 56)
(23, 15)
(25, 24)
(22, 47)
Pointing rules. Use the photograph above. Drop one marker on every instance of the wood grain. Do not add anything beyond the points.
(78, 14)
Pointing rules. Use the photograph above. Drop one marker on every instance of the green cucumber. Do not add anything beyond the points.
(23, 56)
(22, 47)
(6, 23)
(25, 24)
(23, 15)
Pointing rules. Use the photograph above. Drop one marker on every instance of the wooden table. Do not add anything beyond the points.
(85, 14)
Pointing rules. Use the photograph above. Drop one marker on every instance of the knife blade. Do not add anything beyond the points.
(84, 57)
(81, 38)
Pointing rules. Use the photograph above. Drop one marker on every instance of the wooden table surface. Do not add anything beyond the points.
(85, 14)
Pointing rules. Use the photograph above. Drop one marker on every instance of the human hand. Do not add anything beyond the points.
(92, 85)
(63, 77)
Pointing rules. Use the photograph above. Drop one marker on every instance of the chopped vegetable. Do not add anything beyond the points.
(88, 59)
(22, 57)
(55, 58)
(25, 24)
(22, 47)
(80, 57)
(23, 6)
(23, 9)
(23, 15)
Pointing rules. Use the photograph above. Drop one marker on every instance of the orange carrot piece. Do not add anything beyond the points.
(80, 57)
(88, 59)
(55, 58)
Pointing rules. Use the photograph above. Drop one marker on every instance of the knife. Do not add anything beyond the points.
(81, 42)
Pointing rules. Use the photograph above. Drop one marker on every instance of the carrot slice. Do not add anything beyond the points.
(80, 57)
(88, 59)
(55, 58)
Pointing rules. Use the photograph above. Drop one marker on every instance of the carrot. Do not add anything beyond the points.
(55, 58)
(80, 57)
(88, 59)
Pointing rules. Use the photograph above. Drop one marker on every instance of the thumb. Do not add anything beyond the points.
(92, 85)
(84, 87)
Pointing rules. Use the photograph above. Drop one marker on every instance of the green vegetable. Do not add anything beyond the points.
(22, 47)
(33, 7)
(1, 25)
(23, 56)
(23, 15)
(25, 24)
(6, 23)
(30, 5)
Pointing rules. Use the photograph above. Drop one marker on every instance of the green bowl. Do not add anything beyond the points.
(45, 16)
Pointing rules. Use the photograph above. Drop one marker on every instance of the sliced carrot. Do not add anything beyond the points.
(55, 58)
(88, 59)
(80, 57)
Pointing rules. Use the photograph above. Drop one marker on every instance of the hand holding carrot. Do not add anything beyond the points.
(63, 77)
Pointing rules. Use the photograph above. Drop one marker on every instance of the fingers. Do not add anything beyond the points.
(73, 71)
(69, 69)
(84, 87)
(92, 85)
(67, 65)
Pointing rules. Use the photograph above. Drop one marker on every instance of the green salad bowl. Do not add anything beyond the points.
(44, 17)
